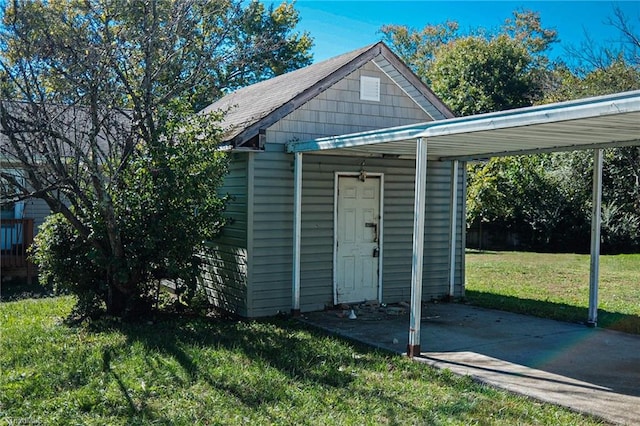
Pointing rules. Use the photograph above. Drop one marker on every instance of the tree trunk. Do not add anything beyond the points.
(117, 301)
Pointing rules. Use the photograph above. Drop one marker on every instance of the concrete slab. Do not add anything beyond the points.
(589, 370)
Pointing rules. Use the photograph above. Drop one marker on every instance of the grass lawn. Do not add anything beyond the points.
(556, 286)
(188, 371)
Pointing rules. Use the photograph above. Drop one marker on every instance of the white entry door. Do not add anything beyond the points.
(357, 239)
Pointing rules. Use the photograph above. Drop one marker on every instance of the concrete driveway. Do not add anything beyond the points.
(589, 370)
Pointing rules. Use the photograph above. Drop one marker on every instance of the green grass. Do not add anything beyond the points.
(556, 286)
(192, 371)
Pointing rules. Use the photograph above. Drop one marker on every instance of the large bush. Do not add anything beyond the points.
(166, 206)
(68, 264)
(96, 107)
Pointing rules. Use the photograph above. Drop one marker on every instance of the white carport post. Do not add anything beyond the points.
(596, 219)
(413, 348)
(297, 222)
(454, 228)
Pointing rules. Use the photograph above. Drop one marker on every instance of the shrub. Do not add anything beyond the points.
(68, 265)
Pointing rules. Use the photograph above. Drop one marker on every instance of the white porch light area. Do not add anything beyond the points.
(592, 123)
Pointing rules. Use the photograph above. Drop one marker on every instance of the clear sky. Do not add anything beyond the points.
(341, 26)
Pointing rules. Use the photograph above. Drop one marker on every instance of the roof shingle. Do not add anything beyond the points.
(260, 105)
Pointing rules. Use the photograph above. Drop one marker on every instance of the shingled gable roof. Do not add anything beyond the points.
(262, 104)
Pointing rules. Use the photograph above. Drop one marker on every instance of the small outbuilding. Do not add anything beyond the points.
(356, 212)
(348, 184)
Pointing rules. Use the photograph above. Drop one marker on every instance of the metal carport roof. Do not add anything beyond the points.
(592, 123)
(605, 121)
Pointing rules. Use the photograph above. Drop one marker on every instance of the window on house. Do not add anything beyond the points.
(10, 209)
(369, 88)
(7, 211)
(11, 233)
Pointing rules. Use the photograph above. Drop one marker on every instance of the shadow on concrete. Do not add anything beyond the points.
(551, 310)
(590, 370)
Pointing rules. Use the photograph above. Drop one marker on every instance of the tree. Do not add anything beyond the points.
(96, 111)
(611, 73)
(479, 72)
(417, 48)
(473, 75)
(601, 70)
(524, 196)
(629, 33)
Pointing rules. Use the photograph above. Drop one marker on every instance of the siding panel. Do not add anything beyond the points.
(225, 261)
(38, 210)
(273, 222)
(339, 110)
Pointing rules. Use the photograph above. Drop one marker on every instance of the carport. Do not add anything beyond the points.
(592, 123)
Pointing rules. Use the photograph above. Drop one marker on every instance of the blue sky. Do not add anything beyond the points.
(341, 26)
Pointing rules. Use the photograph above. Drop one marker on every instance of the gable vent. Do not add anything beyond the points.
(369, 88)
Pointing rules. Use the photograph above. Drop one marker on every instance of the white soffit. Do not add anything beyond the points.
(612, 120)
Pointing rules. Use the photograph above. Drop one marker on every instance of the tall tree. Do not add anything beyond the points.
(96, 111)
(482, 71)
(417, 48)
(473, 75)
(599, 70)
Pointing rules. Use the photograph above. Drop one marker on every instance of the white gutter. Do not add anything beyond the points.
(355, 140)
(531, 116)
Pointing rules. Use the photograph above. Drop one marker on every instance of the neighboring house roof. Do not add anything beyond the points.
(65, 129)
(262, 104)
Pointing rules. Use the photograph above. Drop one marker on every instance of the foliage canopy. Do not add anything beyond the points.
(97, 103)
(478, 72)
(544, 200)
